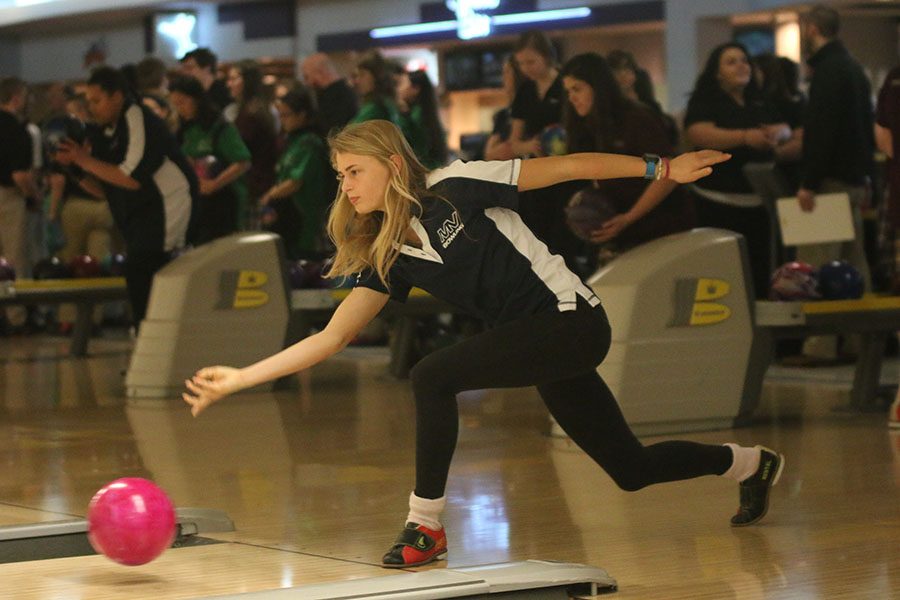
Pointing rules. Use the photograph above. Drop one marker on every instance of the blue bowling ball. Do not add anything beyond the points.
(839, 280)
(117, 265)
(554, 141)
(113, 265)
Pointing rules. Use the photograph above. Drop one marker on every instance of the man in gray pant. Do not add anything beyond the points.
(16, 183)
(838, 137)
(838, 147)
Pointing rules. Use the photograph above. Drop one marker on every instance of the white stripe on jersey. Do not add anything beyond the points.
(496, 171)
(550, 268)
(175, 190)
(134, 120)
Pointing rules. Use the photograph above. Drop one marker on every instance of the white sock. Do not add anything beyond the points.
(744, 464)
(426, 511)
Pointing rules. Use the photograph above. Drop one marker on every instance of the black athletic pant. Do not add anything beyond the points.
(558, 352)
(140, 267)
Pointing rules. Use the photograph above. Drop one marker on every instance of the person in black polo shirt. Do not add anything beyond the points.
(726, 111)
(134, 161)
(538, 104)
(16, 183)
(455, 232)
(201, 64)
(335, 99)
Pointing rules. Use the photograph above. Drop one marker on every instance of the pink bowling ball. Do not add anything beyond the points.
(131, 521)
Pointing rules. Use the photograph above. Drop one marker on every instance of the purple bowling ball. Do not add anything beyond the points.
(587, 211)
(296, 275)
(7, 271)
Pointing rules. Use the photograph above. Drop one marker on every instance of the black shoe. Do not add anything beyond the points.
(755, 489)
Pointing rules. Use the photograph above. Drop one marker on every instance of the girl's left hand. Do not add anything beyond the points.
(610, 229)
(692, 166)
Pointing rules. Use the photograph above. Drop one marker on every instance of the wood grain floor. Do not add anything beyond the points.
(316, 480)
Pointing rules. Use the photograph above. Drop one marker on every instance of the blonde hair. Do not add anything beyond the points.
(372, 241)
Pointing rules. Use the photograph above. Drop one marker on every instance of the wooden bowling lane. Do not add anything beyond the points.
(316, 480)
(179, 573)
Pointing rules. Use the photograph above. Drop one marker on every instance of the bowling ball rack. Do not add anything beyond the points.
(873, 318)
(59, 539)
(83, 293)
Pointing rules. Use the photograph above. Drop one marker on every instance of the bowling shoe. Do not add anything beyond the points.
(755, 489)
(894, 414)
(416, 545)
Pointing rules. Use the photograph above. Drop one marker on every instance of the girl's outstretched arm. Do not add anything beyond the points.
(542, 172)
(211, 384)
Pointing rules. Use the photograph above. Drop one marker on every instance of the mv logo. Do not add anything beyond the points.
(241, 289)
(695, 302)
(450, 229)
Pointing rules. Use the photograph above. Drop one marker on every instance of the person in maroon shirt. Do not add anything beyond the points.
(253, 116)
(887, 139)
(599, 118)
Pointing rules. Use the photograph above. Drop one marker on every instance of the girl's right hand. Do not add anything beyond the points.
(211, 384)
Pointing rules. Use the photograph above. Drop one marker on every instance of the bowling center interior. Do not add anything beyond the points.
(111, 489)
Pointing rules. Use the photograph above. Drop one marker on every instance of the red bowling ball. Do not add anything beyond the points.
(85, 266)
(131, 521)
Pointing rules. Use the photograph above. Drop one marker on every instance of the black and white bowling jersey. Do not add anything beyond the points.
(476, 252)
(154, 217)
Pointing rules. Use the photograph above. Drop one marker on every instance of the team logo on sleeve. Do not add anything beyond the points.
(450, 229)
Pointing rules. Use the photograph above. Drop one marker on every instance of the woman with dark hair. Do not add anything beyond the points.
(419, 108)
(498, 146)
(220, 159)
(305, 183)
(373, 80)
(635, 84)
(252, 114)
(727, 112)
(599, 118)
(778, 83)
(779, 86)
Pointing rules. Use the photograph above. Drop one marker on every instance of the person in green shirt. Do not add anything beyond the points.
(219, 156)
(296, 206)
(373, 81)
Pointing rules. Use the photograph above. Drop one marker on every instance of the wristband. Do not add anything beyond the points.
(653, 166)
(663, 171)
